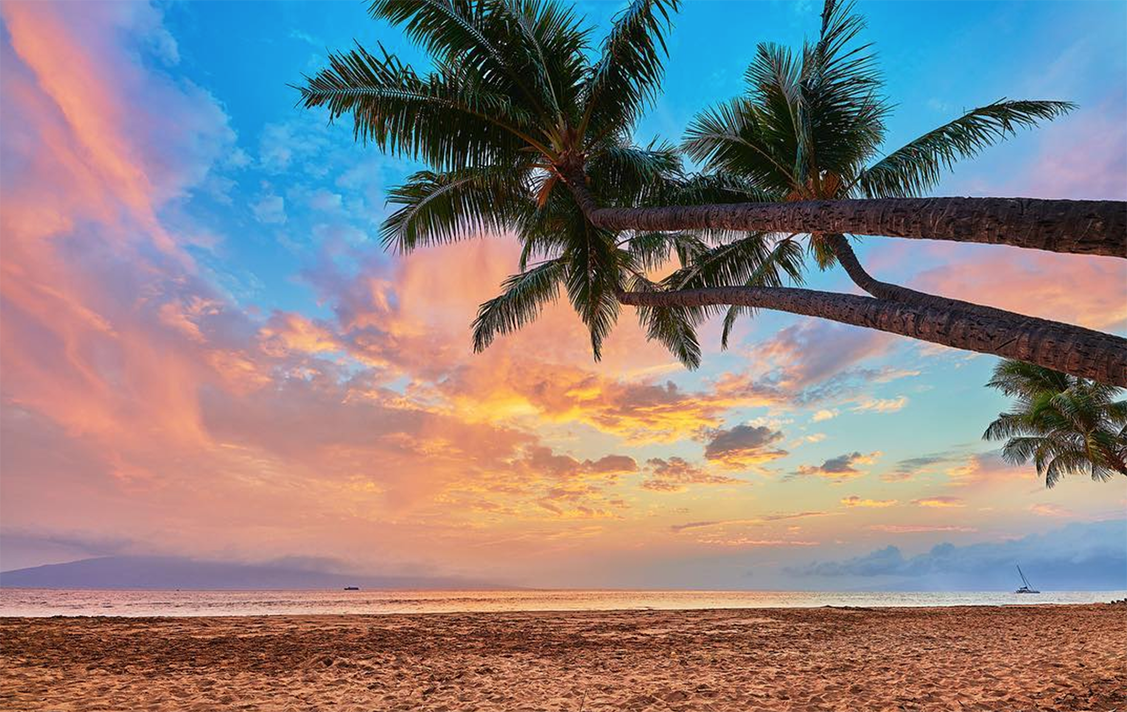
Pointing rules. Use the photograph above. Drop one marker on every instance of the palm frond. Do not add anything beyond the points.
(440, 208)
(1063, 423)
(736, 262)
(472, 35)
(448, 122)
(523, 298)
(1070, 462)
(629, 69)
(650, 251)
(840, 110)
(917, 167)
(731, 139)
(1020, 378)
(674, 327)
(548, 45)
(626, 175)
(782, 263)
(1008, 425)
(593, 281)
(710, 188)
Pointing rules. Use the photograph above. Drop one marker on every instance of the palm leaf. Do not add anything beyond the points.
(629, 69)
(731, 139)
(623, 174)
(1064, 424)
(919, 166)
(470, 34)
(784, 259)
(523, 298)
(593, 281)
(439, 208)
(444, 120)
(650, 251)
(674, 327)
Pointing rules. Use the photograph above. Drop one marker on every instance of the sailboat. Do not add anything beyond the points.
(1025, 588)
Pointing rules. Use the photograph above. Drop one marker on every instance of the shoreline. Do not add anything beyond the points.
(1044, 657)
(151, 603)
(568, 611)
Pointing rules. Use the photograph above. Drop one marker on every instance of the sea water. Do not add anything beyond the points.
(59, 602)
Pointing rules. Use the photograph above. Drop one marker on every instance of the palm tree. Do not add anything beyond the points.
(514, 103)
(515, 110)
(811, 125)
(1066, 425)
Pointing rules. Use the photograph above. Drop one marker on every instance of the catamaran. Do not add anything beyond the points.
(1026, 588)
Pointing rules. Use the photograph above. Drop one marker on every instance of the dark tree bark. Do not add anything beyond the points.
(1084, 227)
(1061, 347)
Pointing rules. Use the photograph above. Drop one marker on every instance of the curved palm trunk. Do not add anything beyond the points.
(1062, 347)
(895, 293)
(1085, 227)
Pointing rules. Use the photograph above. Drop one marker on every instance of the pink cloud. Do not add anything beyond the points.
(1090, 291)
(1084, 157)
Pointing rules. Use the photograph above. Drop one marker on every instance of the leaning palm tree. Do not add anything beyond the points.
(527, 131)
(1066, 425)
(514, 104)
(811, 127)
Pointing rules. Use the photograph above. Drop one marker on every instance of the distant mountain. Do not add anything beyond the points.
(168, 572)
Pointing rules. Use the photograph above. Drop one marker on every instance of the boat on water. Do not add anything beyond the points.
(1026, 588)
(351, 588)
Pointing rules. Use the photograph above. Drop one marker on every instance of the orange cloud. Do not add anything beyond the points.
(744, 447)
(293, 332)
(1051, 510)
(942, 502)
(750, 521)
(855, 501)
(676, 474)
(840, 468)
(755, 543)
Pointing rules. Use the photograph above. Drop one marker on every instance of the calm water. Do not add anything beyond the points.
(47, 602)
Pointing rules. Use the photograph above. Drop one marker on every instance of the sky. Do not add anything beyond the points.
(205, 353)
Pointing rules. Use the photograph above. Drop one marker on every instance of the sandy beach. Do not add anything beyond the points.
(968, 658)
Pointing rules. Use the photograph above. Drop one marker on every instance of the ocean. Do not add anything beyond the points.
(58, 602)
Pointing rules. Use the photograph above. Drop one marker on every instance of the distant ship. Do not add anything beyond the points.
(351, 588)
(1026, 588)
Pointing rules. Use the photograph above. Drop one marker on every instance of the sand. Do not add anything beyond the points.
(971, 658)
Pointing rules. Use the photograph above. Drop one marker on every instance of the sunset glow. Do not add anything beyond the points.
(207, 353)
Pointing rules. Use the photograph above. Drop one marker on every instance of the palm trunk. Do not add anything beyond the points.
(895, 293)
(1085, 227)
(1061, 347)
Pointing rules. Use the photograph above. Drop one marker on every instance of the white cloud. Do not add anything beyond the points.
(880, 405)
(271, 210)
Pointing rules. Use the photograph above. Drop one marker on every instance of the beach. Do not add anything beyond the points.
(952, 658)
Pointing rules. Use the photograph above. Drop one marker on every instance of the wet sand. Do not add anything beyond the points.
(970, 658)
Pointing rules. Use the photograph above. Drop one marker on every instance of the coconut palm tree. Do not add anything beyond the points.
(527, 131)
(513, 104)
(811, 128)
(1066, 425)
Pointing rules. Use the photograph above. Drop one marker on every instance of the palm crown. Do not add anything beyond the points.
(811, 127)
(513, 102)
(517, 103)
(1066, 425)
